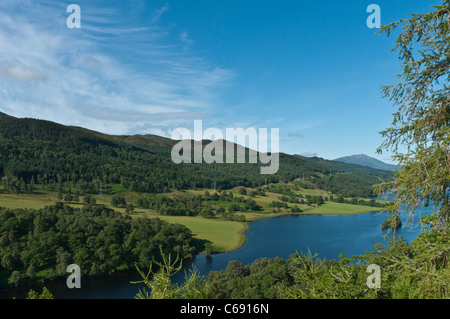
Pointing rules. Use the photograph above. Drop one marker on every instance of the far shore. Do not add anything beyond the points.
(312, 211)
(224, 235)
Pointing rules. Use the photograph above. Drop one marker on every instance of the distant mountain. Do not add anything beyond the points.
(342, 167)
(365, 160)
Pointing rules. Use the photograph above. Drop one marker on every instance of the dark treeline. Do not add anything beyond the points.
(200, 205)
(55, 157)
(38, 245)
(348, 184)
(356, 201)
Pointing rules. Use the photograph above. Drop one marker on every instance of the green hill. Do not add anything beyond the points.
(365, 160)
(54, 155)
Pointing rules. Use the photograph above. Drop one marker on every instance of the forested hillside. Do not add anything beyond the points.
(55, 156)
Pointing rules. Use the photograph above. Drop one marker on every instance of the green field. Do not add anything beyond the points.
(332, 208)
(35, 200)
(222, 234)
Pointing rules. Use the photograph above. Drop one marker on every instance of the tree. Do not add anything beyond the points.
(220, 211)
(208, 248)
(89, 200)
(296, 209)
(118, 201)
(15, 278)
(392, 223)
(46, 294)
(62, 261)
(7, 261)
(419, 136)
(160, 282)
(68, 197)
(129, 208)
(31, 271)
(207, 212)
(242, 191)
(339, 199)
(76, 197)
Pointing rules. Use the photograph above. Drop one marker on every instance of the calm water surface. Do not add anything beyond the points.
(326, 235)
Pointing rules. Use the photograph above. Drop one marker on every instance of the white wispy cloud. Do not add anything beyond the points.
(158, 13)
(186, 39)
(310, 154)
(17, 70)
(295, 135)
(111, 75)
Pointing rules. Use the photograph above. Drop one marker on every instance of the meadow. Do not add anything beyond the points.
(223, 235)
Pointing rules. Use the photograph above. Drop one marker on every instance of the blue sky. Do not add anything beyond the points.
(313, 69)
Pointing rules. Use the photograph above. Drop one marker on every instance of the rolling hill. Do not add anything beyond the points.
(58, 156)
(364, 160)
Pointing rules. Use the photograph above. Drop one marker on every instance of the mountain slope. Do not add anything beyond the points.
(4, 115)
(335, 167)
(148, 139)
(364, 160)
(59, 156)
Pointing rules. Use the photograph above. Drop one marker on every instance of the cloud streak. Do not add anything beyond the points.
(310, 154)
(158, 13)
(111, 75)
(16, 70)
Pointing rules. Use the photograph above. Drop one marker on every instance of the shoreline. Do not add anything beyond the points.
(242, 240)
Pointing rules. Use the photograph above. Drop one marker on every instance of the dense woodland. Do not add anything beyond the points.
(200, 205)
(40, 244)
(59, 157)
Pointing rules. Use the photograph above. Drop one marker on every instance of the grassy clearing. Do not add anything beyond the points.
(116, 188)
(332, 208)
(223, 235)
(36, 200)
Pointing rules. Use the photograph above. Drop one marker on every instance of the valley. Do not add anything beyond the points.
(46, 166)
(224, 235)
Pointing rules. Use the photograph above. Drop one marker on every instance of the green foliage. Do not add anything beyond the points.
(118, 201)
(349, 184)
(45, 294)
(348, 180)
(419, 135)
(259, 280)
(420, 128)
(40, 244)
(199, 205)
(242, 191)
(418, 271)
(393, 222)
(160, 284)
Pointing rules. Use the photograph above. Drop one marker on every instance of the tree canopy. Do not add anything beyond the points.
(40, 244)
(419, 136)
